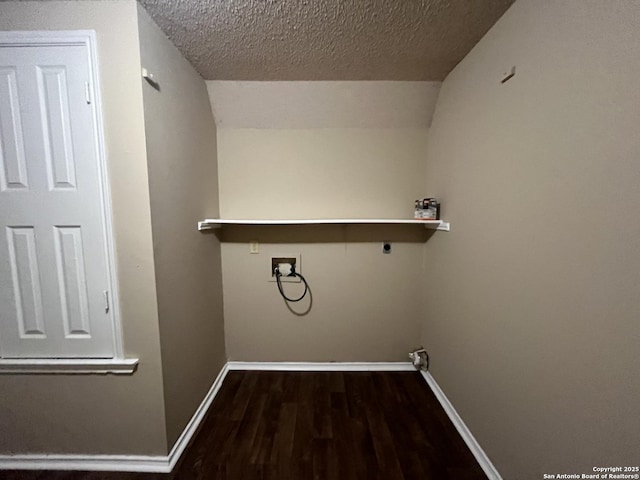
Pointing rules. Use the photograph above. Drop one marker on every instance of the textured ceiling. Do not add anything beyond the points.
(325, 39)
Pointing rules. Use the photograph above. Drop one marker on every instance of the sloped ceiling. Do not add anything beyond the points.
(325, 39)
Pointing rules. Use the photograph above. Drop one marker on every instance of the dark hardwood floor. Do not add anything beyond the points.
(316, 425)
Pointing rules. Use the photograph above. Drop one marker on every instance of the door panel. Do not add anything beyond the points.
(56, 128)
(13, 166)
(25, 276)
(53, 253)
(72, 280)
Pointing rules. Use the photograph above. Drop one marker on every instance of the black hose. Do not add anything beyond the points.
(306, 286)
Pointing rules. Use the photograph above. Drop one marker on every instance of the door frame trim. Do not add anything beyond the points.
(88, 39)
(68, 365)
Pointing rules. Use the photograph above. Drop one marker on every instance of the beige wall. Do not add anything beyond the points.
(366, 305)
(101, 414)
(531, 302)
(183, 186)
(323, 172)
(309, 105)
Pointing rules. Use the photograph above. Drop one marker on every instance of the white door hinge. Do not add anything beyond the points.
(106, 301)
(87, 92)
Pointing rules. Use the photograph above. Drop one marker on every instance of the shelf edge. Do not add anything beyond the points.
(216, 223)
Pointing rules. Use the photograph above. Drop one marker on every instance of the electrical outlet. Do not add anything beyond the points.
(293, 260)
(254, 246)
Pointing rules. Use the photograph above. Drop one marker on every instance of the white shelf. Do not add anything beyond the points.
(211, 223)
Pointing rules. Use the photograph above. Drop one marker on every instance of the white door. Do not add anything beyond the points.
(54, 279)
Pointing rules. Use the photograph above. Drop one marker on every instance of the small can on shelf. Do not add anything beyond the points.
(427, 209)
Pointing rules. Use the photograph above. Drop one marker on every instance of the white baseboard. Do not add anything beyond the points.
(166, 463)
(106, 463)
(463, 430)
(196, 419)
(119, 463)
(323, 366)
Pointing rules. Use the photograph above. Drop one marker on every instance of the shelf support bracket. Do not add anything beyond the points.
(443, 226)
(208, 226)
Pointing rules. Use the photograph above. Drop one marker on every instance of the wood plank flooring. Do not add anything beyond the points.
(316, 425)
